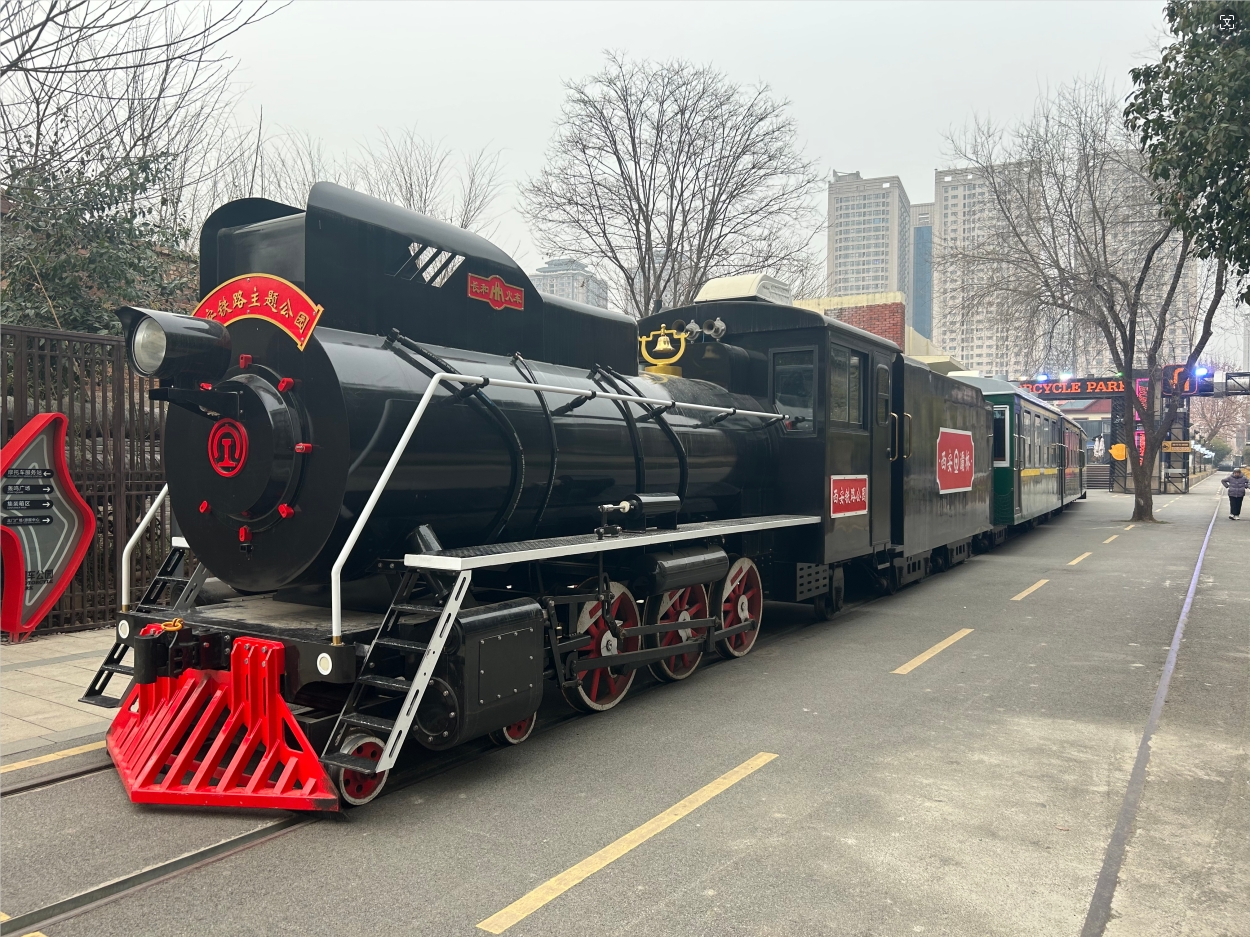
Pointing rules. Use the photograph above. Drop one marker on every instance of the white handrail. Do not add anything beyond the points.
(134, 542)
(336, 571)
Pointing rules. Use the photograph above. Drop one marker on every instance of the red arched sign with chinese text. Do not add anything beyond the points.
(261, 296)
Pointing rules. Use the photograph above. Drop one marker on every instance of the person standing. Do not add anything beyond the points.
(1236, 483)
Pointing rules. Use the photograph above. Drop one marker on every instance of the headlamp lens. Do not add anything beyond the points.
(147, 348)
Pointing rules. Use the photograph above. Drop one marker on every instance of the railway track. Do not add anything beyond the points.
(98, 895)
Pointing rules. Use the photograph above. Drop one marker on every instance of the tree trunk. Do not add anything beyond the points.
(1143, 496)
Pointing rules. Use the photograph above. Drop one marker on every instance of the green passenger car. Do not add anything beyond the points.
(1038, 455)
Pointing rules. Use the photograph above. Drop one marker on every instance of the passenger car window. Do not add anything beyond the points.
(1000, 435)
(794, 388)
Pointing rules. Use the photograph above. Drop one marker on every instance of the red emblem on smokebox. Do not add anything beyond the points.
(495, 291)
(227, 447)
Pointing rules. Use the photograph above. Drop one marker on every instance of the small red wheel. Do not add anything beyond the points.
(741, 598)
(516, 733)
(355, 787)
(604, 687)
(677, 606)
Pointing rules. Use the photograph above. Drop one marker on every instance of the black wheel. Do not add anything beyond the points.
(516, 733)
(437, 726)
(741, 598)
(825, 606)
(677, 606)
(887, 580)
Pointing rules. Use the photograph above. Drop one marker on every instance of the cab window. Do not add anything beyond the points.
(883, 395)
(845, 370)
(794, 388)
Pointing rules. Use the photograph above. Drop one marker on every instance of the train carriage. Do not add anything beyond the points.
(420, 492)
(1038, 455)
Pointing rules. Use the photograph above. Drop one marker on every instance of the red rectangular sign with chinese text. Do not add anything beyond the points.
(848, 495)
(955, 460)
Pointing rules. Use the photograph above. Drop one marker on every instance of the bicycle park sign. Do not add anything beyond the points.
(1176, 379)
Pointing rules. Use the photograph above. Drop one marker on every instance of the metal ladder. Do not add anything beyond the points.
(183, 598)
(372, 687)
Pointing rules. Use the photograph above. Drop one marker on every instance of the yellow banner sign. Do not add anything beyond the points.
(1177, 445)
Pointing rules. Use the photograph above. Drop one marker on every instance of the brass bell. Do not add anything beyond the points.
(663, 343)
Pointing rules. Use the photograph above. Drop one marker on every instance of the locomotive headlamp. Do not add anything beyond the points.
(167, 345)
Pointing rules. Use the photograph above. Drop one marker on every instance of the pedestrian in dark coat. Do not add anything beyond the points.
(1236, 483)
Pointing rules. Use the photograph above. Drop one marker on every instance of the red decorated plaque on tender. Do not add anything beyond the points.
(955, 460)
(848, 495)
(261, 296)
(495, 292)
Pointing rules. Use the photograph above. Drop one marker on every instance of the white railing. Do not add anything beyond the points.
(336, 591)
(134, 542)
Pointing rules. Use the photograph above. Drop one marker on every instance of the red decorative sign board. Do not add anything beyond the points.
(261, 296)
(956, 460)
(848, 495)
(47, 526)
(227, 447)
(496, 292)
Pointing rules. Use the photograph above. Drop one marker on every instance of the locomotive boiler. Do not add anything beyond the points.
(417, 492)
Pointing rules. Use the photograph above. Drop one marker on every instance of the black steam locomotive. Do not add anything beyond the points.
(411, 491)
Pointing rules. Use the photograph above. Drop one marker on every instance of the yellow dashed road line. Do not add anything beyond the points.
(555, 887)
(936, 649)
(1033, 588)
(54, 756)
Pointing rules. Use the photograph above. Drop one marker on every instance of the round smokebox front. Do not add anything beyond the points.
(256, 485)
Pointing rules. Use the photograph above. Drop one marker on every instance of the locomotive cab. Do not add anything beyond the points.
(833, 381)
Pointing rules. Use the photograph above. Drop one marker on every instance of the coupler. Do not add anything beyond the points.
(193, 733)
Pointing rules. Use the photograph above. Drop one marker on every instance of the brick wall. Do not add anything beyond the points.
(885, 319)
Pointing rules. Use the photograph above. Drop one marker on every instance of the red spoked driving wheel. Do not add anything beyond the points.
(356, 787)
(516, 733)
(604, 687)
(677, 606)
(741, 599)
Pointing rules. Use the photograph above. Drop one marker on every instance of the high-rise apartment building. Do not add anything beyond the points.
(869, 236)
(971, 335)
(922, 268)
(571, 279)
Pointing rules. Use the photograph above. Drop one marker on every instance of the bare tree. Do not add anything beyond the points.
(424, 175)
(107, 83)
(1217, 417)
(668, 174)
(1074, 249)
(113, 116)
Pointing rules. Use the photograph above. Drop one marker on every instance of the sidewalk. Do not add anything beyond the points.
(40, 682)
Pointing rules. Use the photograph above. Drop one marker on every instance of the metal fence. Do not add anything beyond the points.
(113, 447)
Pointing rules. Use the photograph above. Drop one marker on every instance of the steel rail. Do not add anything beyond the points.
(441, 377)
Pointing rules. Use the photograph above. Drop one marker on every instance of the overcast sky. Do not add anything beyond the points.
(874, 86)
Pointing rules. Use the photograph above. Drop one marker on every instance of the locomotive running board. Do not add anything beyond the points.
(522, 551)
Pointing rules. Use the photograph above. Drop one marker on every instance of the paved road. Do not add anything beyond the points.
(973, 795)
